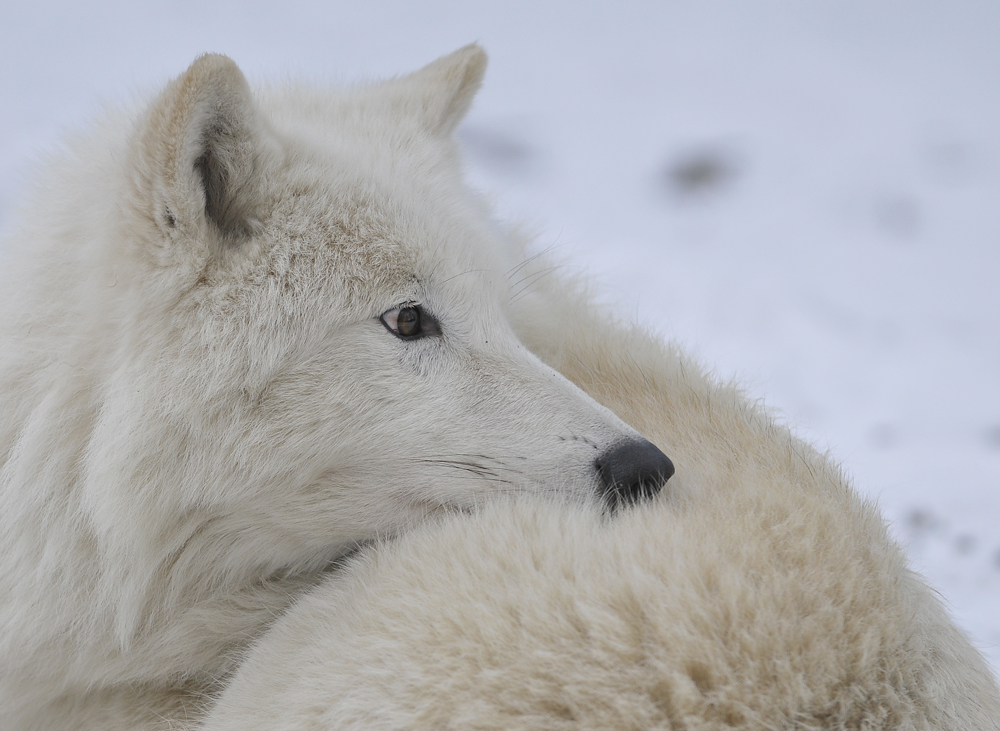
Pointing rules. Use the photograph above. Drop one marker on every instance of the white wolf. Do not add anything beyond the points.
(243, 332)
(763, 594)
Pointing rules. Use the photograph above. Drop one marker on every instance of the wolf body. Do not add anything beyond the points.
(244, 332)
(759, 592)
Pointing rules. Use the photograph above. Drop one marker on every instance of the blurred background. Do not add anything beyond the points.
(806, 195)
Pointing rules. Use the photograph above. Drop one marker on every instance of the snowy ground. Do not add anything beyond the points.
(806, 194)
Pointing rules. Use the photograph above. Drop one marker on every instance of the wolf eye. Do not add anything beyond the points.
(410, 322)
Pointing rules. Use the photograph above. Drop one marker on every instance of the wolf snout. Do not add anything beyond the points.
(633, 471)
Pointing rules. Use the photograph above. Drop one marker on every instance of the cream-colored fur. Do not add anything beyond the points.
(200, 410)
(202, 401)
(758, 592)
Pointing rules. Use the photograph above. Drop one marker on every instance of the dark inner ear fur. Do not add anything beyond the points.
(226, 167)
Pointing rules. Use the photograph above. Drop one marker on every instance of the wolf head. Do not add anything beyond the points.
(312, 344)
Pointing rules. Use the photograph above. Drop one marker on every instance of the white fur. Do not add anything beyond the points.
(200, 411)
(758, 592)
(200, 408)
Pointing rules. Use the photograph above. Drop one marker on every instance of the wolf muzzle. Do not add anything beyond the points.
(633, 471)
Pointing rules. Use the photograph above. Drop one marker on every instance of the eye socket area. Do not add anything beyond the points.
(409, 322)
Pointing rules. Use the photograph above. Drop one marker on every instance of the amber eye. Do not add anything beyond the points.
(410, 322)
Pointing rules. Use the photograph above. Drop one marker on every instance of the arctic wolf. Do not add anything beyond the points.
(765, 594)
(242, 333)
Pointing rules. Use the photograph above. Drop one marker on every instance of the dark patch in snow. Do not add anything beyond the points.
(502, 151)
(701, 172)
(951, 162)
(966, 544)
(883, 436)
(921, 522)
(898, 216)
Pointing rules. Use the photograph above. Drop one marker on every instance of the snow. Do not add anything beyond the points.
(805, 194)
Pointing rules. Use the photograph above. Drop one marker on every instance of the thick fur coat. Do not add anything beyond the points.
(210, 395)
(757, 592)
(243, 332)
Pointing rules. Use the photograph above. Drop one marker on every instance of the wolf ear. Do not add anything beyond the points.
(441, 93)
(202, 152)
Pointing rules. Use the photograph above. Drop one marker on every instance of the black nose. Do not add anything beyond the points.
(633, 471)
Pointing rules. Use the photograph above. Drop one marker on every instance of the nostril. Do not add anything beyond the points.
(633, 471)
